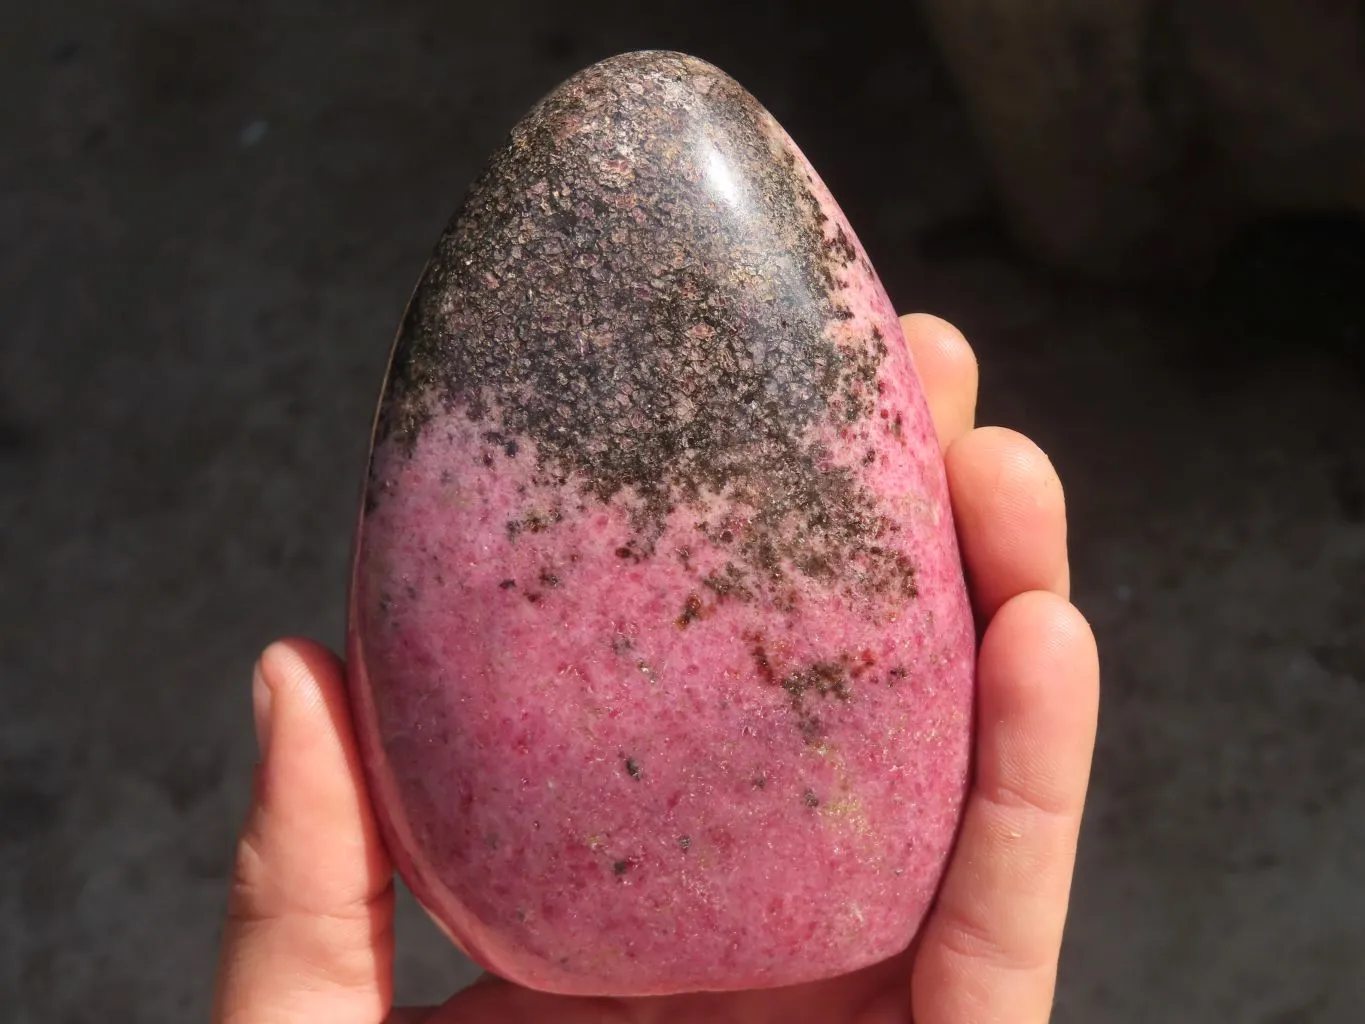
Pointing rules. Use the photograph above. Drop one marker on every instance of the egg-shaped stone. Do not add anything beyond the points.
(660, 651)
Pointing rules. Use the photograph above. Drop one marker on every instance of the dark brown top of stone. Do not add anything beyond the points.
(637, 293)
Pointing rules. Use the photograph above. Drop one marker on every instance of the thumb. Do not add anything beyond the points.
(309, 932)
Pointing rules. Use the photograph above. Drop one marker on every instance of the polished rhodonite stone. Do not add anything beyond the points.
(661, 653)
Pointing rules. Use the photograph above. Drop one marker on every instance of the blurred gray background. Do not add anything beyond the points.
(211, 215)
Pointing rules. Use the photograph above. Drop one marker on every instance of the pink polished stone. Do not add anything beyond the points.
(660, 650)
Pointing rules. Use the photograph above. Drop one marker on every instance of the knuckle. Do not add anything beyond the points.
(970, 937)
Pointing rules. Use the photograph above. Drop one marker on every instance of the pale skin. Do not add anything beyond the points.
(309, 932)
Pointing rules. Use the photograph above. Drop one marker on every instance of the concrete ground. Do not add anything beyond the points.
(212, 215)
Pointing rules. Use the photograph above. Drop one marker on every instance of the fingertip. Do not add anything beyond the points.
(1040, 625)
(948, 372)
(928, 333)
(1010, 510)
(1039, 698)
(1013, 464)
(306, 668)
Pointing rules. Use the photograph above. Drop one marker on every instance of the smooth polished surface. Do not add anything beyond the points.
(661, 647)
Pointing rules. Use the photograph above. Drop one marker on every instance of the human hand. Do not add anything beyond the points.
(309, 934)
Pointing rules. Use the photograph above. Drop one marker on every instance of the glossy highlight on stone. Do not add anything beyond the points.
(661, 655)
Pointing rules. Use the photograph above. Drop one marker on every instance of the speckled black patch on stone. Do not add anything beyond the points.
(637, 293)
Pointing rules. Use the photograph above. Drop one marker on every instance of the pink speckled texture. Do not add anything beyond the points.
(587, 766)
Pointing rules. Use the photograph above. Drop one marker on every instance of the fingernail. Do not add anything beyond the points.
(261, 698)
